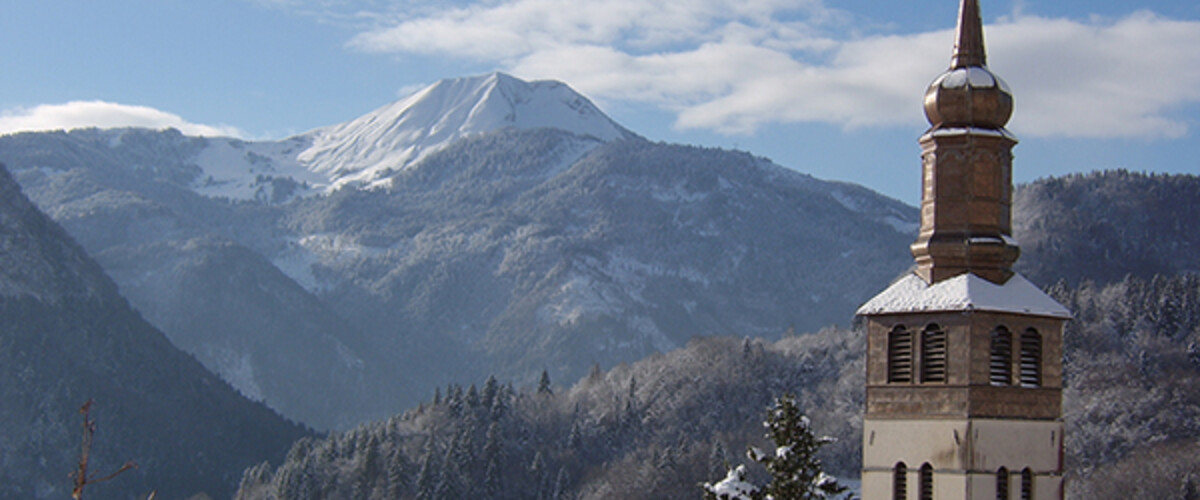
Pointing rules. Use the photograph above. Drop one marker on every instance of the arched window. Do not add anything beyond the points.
(1002, 484)
(933, 354)
(900, 482)
(1031, 358)
(925, 482)
(1026, 484)
(900, 355)
(1001, 357)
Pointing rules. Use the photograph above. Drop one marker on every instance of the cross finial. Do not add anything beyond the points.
(968, 47)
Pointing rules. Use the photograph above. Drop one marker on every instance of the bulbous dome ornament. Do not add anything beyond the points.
(968, 97)
(969, 94)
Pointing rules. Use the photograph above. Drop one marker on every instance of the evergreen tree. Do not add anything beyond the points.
(428, 477)
(539, 475)
(544, 383)
(453, 483)
(491, 389)
(370, 470)
(562, 485)
(575, 436)
(718, 459)
(796, 473)
(472, 397)
(454, 400)
(397, 474)
(493, 482)
(499, 407)
(1188, 490)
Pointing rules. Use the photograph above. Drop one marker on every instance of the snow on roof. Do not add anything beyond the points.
(966, 292)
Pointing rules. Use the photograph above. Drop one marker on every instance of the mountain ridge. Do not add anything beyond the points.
(365, 151)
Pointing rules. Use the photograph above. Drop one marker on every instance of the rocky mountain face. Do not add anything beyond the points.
(525, 231)
(66, 336)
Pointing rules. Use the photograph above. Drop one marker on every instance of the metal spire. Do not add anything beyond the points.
(968, 47)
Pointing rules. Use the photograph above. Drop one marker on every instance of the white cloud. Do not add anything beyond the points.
(737, 65)
(101, 114)
(1128, 78)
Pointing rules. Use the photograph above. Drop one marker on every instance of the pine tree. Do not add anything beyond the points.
(499, 407)
(369, 471)
(561, 485)
(796, 472)
(493, 480)
(472, 397)
(427, 477)
(491, 389)
(575, 436)
(1188, 490)
(539, 475)
(718, 459)
(397, 474)
(544, 383)
(454, 400)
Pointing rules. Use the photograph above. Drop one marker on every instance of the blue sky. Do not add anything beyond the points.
(831, 88)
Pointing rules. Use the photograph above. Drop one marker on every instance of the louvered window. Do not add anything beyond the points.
(900, 482)
(1001, 357)
(926, 482)
(1026, 484)
(933, 354)
(900, 355)
(1031, 359)
(1002, 484)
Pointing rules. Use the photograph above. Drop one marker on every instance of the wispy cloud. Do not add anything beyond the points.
(735, 66)
(101, 114)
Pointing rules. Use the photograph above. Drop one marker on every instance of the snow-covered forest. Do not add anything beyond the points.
(659, 427)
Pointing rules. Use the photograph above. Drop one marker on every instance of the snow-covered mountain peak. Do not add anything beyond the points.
(390, 138)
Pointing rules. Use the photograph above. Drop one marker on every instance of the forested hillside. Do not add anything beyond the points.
(1101, 226)
(658, 427)
(67, 337)
(1133, 386)
(653, 429)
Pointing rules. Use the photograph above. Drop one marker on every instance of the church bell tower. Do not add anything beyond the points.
(964, 356)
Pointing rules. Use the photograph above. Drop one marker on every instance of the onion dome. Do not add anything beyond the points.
(968, 94)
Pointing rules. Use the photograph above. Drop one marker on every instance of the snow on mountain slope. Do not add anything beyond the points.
(364, 150)
(264, 171)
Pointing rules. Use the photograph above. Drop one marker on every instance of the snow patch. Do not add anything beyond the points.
(301, 255)
(901, 225)
(579, 297)
(845, 201)
(974, 77)
(734, 486)
(265, 171)
(957, 131)
(678, 193)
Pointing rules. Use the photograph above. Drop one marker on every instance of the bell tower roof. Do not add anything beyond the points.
(968, 94)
